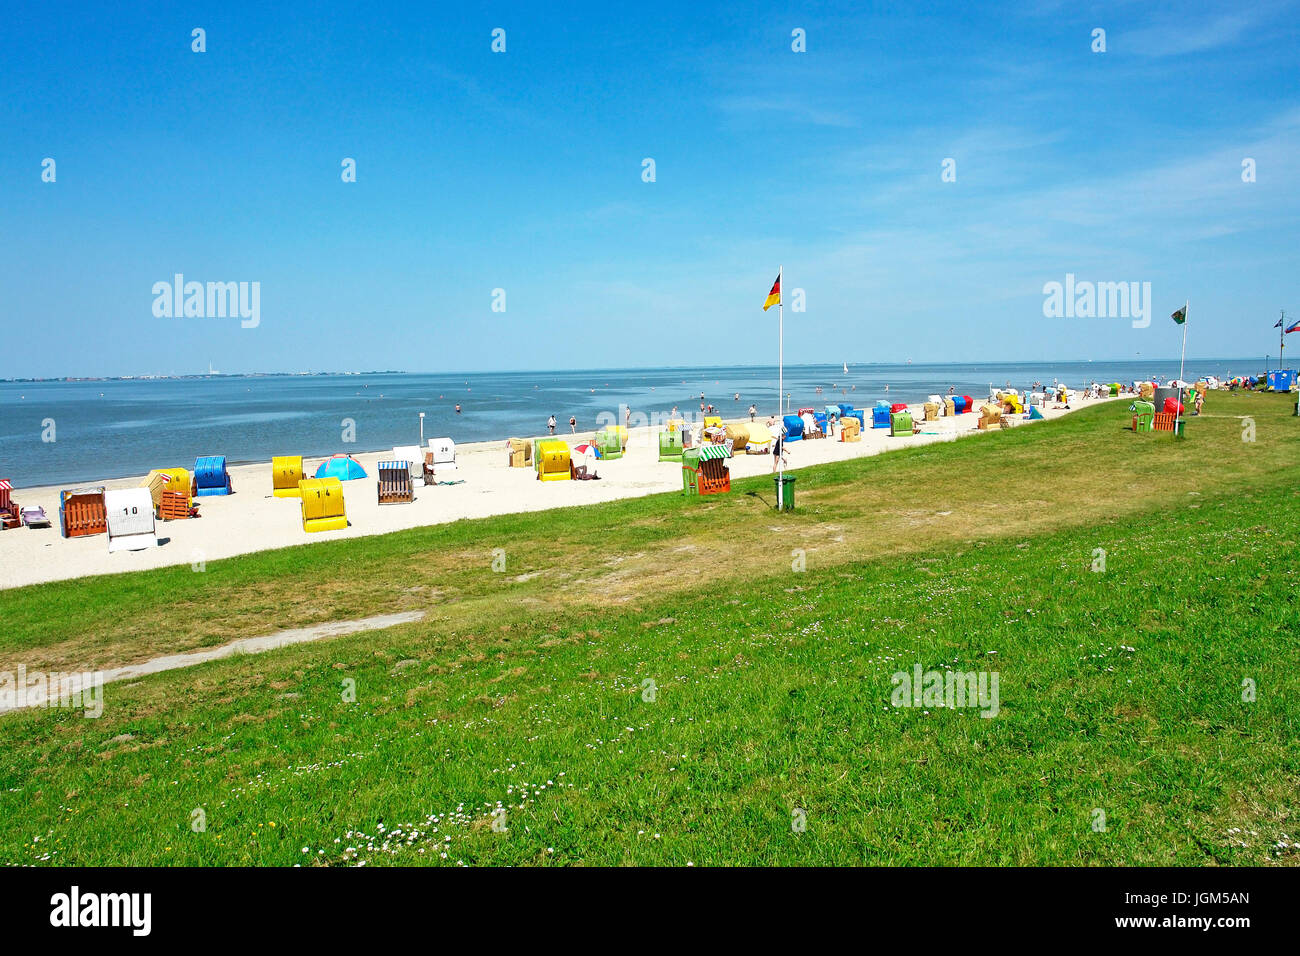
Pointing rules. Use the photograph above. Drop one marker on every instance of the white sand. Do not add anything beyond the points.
(253, 520)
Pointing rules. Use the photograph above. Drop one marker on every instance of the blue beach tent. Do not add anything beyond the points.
(342, 467)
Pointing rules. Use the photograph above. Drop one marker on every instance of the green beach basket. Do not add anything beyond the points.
(690, 460)
(670, 446)
(1144, 416)
(609, 444)
(900, 423)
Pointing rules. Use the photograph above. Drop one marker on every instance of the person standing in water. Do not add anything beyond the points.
(753, 410)
(550, 424)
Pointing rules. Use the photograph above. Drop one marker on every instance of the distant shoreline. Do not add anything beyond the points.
(216, 376)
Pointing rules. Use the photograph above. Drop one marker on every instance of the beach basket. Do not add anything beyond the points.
(130, 520)
(175, 480)
(10, 516)
(1144, 414)
(738, 435)
(174, 506)
(850, 430)
(521, 453)
(286, 473)
(931, 411)
(394, 485)
(211, 476)
(949, 407)
(553, 460)
(444, 454)
(414, 460)
(323, 508)
(1164, 421)
(714, 477)
(880, 416)
(793, 428)
(610, 443)
(990, 415)
(670, 446)
(900, 424)
(82, 512)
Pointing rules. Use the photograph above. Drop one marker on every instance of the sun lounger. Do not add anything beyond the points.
(35, 517)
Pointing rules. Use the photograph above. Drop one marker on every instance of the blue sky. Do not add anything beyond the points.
(523, 171)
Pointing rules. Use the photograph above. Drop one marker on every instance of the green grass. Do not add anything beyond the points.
(1120, 690)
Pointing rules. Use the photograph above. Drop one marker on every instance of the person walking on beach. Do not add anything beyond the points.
(573, 424)
(550, 424)
(752, 412)
(778, 447)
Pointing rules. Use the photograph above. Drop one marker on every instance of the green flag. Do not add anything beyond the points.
(1180, 316)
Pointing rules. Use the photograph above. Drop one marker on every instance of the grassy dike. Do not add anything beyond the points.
(1120, 690)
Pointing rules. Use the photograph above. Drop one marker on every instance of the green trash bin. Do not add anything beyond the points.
(784, 496)
(1178, 427)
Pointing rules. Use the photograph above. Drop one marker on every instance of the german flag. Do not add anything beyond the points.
(773, 297)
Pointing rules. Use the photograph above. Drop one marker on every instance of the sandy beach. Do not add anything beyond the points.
(252, 519)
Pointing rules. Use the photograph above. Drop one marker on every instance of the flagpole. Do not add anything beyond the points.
(1178, 404)
(1281, 331)
(780, 387)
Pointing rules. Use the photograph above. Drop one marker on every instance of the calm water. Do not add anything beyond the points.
(115, 429)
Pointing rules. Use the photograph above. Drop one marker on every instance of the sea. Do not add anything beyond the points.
(77, 432)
